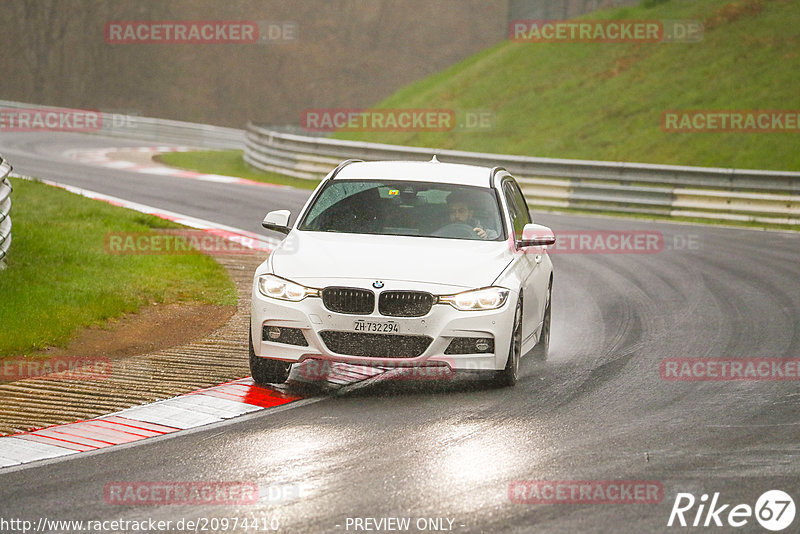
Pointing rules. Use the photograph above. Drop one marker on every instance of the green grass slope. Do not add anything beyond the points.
(61, 277)
(605, 101)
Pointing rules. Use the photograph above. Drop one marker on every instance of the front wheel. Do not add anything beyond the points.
(266, 371)
(509, 376)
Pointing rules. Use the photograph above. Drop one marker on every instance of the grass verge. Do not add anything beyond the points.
(60, 277)
(604, 101)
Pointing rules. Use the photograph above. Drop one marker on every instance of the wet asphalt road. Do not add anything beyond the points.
(598, 409)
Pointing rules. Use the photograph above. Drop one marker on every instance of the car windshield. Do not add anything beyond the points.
(405, 208)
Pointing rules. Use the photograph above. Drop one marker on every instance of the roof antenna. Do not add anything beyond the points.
(434, 160)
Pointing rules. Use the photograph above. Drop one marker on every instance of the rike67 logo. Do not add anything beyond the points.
(774, 510)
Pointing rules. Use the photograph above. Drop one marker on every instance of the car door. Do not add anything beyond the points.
(529, 268)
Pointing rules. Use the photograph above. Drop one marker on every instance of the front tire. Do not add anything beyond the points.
(509, 376)
(266, 371)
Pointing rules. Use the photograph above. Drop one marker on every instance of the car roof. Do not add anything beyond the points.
(417, 171)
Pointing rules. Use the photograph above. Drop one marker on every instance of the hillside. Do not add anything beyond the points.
(605, 101)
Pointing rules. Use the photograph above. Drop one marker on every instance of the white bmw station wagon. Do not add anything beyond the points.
(405, 264)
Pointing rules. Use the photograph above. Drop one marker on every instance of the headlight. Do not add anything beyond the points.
(278, 288)
(489, 298)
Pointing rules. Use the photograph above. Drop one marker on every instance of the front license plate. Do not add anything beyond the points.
(383, 327)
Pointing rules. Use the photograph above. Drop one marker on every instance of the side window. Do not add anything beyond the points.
(517, 207)
(522, 204)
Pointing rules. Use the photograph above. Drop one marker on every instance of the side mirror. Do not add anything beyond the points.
(277, 221)
(536, 235)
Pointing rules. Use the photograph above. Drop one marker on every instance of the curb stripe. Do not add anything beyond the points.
(67, 436)
(103, 435)
(56, 442)
(114, 427)
(251, 399)
(100, 157)
(191, 410)
(18, 451)
(138, 425)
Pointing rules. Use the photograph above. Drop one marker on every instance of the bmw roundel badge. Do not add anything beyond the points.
(377, 284)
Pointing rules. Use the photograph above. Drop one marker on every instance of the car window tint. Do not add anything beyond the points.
(334, 195)
(522, 205)
(517, 220)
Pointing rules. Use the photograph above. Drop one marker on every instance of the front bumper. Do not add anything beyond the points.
(441, 324)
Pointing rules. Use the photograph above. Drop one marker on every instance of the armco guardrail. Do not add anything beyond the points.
(150, 129)
(703, 192)
(5, 211)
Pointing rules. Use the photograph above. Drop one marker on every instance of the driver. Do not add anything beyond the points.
(460, 208)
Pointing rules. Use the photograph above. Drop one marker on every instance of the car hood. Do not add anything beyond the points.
(315, 257)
